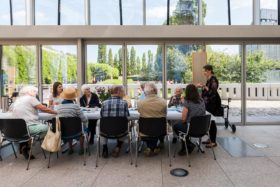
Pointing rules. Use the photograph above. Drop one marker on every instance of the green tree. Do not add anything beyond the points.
(102, 53)
(144, 69)
(132, 61)
(121, 61)
(138, 65)
(110, 57)
(176, 65)
(150, 65)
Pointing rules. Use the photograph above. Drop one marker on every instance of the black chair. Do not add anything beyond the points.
(113, 128)
(198, 127)
(70, 127)
(16, 130)
(152, 128)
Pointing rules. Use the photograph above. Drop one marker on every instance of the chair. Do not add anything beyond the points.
(70, 127)
(198, 127)
(16, 130)
(113, 128)
(152, 128)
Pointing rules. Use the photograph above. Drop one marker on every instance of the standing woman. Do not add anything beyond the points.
(55, 98)
(89, 100)
(212, 101)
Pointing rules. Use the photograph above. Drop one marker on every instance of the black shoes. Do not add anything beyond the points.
(174, 140)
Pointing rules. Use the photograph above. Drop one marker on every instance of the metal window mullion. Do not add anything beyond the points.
(39, 71)
(120, 8)
(256, 12)
(229, 14)
(58, 12)
(278, 12)
(199, 12)
(87, 12)
(80, 63)
(30, 12)
(144, 12)
(243, 84)
(168, 10)
(11, 12)
(1, 73)
(164, 71)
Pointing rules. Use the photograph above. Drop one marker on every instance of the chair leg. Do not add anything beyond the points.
(0, 151)
(136, 151)
(88, 147)
(97, 152)
(85, 141)
(130, 149)
(175, 150)
(14, 149)
(49, 159)
(30, 153)
(187, 151)
(169, 152)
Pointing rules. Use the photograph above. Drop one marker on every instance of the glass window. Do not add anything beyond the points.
(72, 12)
(59, 63)
(183, 12)
(144, 64)
(104, 64)
(5, 12)
(225, 59)
(241, 12)
(263, 83)
(132, 12)
(19, 12)
(216, 12)
(156, 12)
(100, 14)
(46, 12)
(19, 65)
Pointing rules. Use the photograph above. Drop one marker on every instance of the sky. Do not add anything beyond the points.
(106, 12)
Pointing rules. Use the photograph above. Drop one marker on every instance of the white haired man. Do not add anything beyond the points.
(26, 107)
(152, 107)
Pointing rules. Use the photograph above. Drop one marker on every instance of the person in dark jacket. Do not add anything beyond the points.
(90, 100)
(212, 101)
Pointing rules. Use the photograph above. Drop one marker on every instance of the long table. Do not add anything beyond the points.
(172, 114)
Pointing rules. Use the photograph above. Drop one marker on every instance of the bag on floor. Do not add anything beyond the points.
(52, 140)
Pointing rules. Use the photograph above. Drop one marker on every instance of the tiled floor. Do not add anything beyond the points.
(155, 171)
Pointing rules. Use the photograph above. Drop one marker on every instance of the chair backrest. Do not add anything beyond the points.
(70, 126)
(113, 126)
(199, 126)
(153, 127)
(14, 129)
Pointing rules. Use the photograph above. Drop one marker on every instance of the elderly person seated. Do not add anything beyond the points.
(152, 107)
(68, 108)
(193, 106)
(90, 100)
(26, 107)
(177, 98)
(114, 107)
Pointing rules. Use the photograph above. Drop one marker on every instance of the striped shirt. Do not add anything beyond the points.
(114, 107)
(71, 110)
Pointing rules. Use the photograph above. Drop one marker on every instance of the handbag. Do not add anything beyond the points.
(52, 140)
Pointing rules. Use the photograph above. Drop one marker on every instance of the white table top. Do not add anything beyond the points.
(172, 114)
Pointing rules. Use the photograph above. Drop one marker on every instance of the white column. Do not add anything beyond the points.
(87, 12)
(30, 12)
(81, 63)
(256, 12)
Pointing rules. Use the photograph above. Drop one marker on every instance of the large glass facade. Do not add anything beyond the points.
(241, 12)
(59, 63)
(156, 12)
(19, 12)
(72, 12)
(216, 12)
(19, 66)
(46, 12)
(132, 12)
(263, 83)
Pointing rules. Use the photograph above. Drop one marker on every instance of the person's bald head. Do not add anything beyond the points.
(117, 90)
(178, 91)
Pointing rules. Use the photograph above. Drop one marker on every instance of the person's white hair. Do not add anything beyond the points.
(150, 88)
(85, 87)
(26, 90)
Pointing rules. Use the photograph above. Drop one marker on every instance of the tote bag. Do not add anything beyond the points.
(52, 140)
